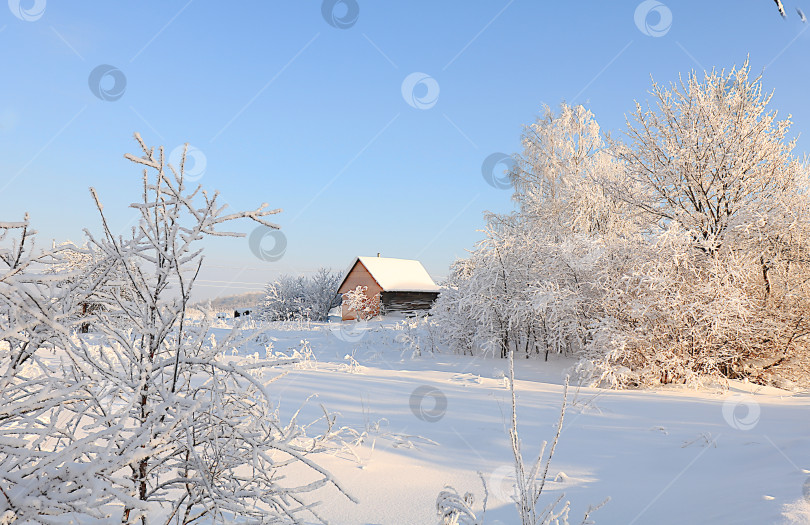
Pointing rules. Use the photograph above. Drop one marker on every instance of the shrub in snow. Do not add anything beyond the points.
(417, 334)
(454, 509)
(303, 358)
(87, 265)
(50, 466)
(152, 422)
(200, 432)
(363, 306)
(351, 364)
(293, 298)
(530, 480)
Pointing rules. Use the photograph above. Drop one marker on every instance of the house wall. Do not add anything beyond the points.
(358, 276)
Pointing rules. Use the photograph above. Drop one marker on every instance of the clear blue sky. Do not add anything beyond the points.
(289, 110)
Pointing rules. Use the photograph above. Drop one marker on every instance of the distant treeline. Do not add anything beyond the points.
(231, 302)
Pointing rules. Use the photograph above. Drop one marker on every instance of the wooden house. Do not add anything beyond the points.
(401, 285)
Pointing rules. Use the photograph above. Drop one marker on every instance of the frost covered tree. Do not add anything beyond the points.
(145, 420)
(457, 325)
(199, 432)
(718, 286)
(710, 156)
(529, 285)
(562, 179)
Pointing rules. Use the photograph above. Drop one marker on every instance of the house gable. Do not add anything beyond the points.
(359, 276)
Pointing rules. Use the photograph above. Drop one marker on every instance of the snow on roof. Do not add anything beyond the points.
(399, 275)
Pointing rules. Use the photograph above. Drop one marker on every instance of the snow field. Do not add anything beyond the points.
(669, 455)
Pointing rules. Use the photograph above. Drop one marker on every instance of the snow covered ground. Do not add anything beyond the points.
(670, 455)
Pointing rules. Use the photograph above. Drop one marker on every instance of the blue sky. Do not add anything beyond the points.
(289, 110)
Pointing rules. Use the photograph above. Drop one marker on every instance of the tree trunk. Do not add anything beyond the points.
(765, 269)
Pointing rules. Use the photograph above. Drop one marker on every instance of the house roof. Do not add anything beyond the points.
(396, 275)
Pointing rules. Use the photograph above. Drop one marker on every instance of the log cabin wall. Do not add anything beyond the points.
(407, 302)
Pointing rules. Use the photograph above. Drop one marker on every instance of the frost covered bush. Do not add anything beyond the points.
(48, 468)
(292, 298)
(499, 300)
(145, 420)
(87, 265)
(455, 509)
(530, 480)
(676, 314)
(363, 306)
(418, 334)
(200, 432)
